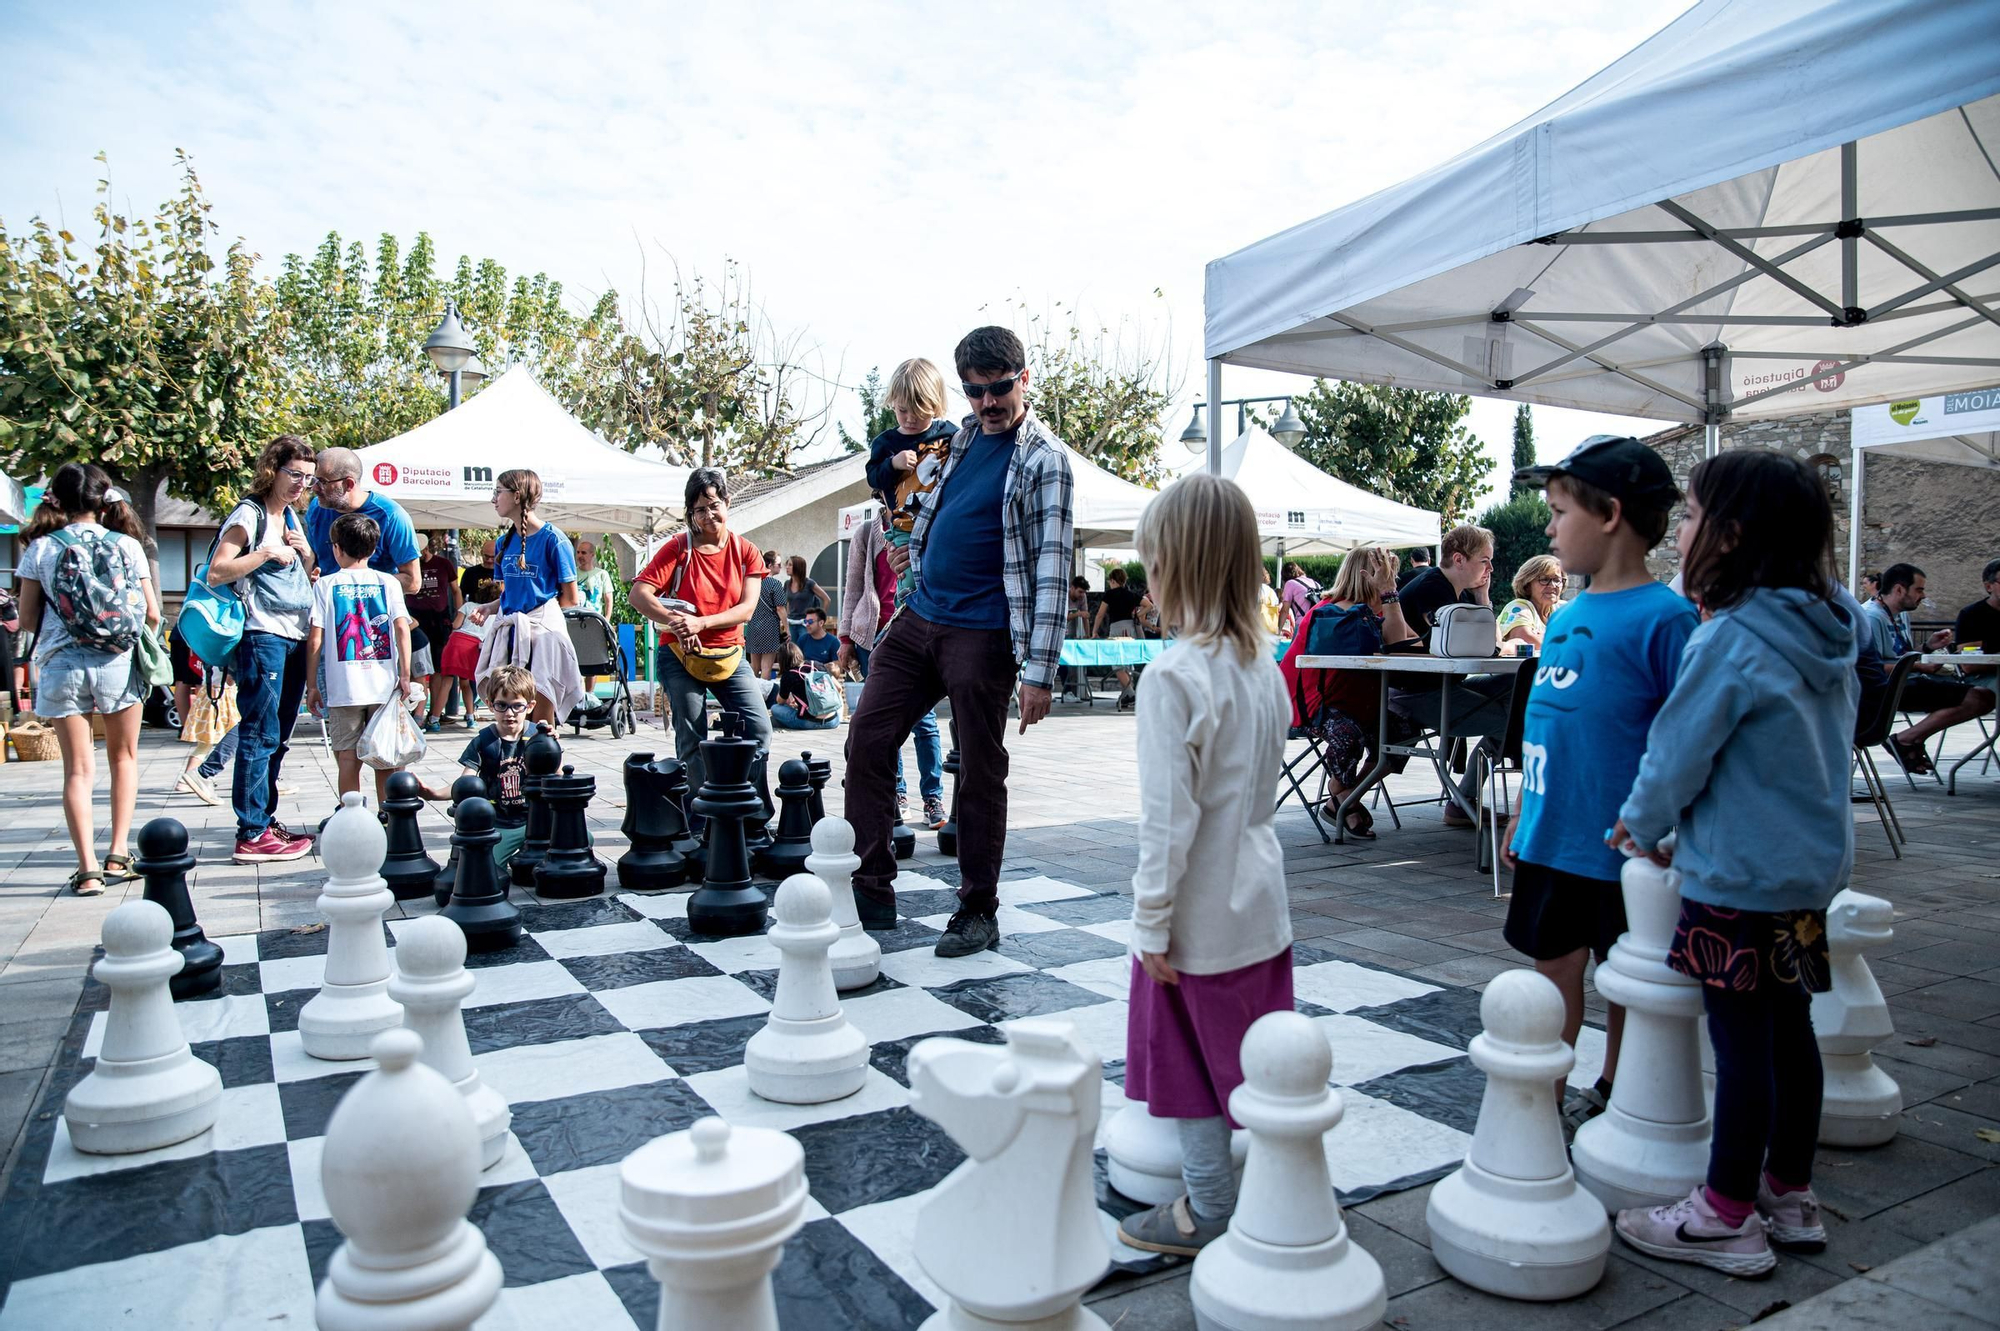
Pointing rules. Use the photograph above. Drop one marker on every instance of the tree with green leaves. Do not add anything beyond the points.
(876, 414)
(1520, 532)
(1524, 444)
(1101, 392)
(140, 353)
(1401, 443)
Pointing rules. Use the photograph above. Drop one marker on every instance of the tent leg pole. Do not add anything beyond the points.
(1856, 479)
(1711, 439)
(1215, 418)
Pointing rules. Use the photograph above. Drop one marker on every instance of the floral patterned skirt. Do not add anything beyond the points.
(1739, 950)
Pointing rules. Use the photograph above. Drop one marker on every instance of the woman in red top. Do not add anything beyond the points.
(702, 597)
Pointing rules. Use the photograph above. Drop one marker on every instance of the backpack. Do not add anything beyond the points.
(96, 592)
(824, 693)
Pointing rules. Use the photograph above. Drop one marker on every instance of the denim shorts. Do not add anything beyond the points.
(75, 680)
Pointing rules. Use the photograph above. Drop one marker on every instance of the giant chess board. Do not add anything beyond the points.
(610, 1024)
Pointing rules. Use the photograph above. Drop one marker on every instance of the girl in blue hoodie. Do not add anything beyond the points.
(1748, 763)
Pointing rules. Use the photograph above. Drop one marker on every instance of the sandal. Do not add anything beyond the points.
(82, 876)
(1360, 822)
(118, 868)
(1912, 756)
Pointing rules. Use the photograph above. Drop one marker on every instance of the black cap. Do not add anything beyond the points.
(1619, 465)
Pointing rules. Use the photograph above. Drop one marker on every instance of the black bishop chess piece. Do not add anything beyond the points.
(947, 837)
(164, 861)
(465, 788)
(653, 824)
(787, 852)
(542, 756)
(570, 868)
(479, 904)
(726, 902)
(407, 870)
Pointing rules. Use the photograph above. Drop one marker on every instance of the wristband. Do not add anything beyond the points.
(1390, 598)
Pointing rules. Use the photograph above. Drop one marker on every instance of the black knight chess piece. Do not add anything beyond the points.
(466, 787)
(542, 756)
(479, 904)
(408, 871)
(793, 842)
(726, 902)
(570, 868)
(164, 861)
(947, 837)
(653, 824)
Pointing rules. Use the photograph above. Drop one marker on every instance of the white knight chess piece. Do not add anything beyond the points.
(1861, 1105)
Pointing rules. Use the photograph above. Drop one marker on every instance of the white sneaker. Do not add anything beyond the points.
(197, 785)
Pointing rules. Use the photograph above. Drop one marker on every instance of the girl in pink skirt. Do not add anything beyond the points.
(1211, 928)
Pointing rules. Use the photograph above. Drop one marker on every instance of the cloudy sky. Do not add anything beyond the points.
(888, 175)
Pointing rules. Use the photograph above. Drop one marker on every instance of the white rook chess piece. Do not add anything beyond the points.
(148, 1089)
(1143, 1154)
(1861, 1104)
(856, 957)
(1012, 1235)
(1286, 1262)
(432, 984)
(1650, 1146)
(353, 1004)
(1512, 1221)
(808, 1052)
(711, 1209)
(400, 1168)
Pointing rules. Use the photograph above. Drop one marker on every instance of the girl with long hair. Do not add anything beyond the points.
(535, 565)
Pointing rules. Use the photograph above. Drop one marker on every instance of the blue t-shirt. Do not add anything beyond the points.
(964, 562)
(397, 547)
(1608, 662)
(532, 571)
(823, 652)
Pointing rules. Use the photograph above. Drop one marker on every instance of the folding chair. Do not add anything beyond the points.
(1873, 732)
(1311, 762)
(1493, 788)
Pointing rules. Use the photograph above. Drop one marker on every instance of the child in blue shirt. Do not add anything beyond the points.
(1608, 662)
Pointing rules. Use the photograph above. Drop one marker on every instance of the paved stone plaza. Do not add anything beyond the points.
(1412, 901)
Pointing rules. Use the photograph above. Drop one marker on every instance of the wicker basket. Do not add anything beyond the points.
(35, 743)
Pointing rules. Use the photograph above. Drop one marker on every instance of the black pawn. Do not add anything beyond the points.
(948, 834)
(164, 861)
(819, 771)
(407, 870)
(541, 757)
(903, 840)
(726, 903)
(569, 869)
(789, 848)
(465, 788)
(652, 824)
(479, 904)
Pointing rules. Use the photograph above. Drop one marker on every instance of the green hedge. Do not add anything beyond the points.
(1320, 568)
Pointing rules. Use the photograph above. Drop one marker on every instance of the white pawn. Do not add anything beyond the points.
(1512, 1221)
(1650, 1146)
(711, 1209)
(353, 1004)
(1142, 1154)
(1861, 1104)
(148, 1089)
(856, 957)
(1286, 1263)
(808, 1052)
(400, 1168)
(432, 984)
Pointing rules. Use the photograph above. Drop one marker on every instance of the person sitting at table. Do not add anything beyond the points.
(1979, 626)
(1943, 702)
(1538, 586)
(1478, 706)
(1277, 620)
(1420, 563)
(1116, 613)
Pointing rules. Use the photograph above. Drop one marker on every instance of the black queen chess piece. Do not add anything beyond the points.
(164, 861)
(653, 824)
(726, 903)
(408, 871)
(570, 869)
(542, 756)
(787, 852)
(465, 788)
(479, 904)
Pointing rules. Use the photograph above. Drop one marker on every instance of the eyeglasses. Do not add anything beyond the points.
(323, 485)
(296, 477)
(998, 388)
(1549, 582)
(510, 708)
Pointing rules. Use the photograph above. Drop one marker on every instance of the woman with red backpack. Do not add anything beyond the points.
(87, 587)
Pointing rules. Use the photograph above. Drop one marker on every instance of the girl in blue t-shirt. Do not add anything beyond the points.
(535, 566)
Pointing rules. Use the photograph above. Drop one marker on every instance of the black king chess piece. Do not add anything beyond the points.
(570, 869)
(947, 836)
(653, 824)
(541, 756)
(407, 870)
(164, 861)
(726, 902)
(787, 852)
(479, 904)
(465, 788)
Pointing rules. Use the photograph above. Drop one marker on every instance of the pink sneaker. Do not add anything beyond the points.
(270, 845)
(1691, 1231)
(1792, 1218)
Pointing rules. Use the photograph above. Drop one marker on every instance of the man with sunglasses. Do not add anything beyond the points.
(990, 557)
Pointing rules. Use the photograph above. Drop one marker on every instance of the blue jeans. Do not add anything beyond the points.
(270, 681)
(688, 698)
(787, 717)
(930, 749)
(223, 754)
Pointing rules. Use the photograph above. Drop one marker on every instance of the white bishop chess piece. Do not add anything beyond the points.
(431, 983)
(1861, 1104)
(1286, 1262)
(148, 1089)
(1512, 1221)
(353, 1004)
(400, 1169)
(1142, 1154)
(1026, 1116)
(856, 957)
(808, 1052)
(1650, 1145)
(711, 1209)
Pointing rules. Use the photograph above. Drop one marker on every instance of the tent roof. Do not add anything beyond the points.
(1310, 511)
(1584, 257)
(442, 471)
(1104, 508)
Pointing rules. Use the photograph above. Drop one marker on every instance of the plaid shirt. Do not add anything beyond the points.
(1035, 538)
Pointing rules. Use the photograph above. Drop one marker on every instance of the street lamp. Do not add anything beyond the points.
(474, 373)
(450, 348)
(1195, 437)
(1287, 430)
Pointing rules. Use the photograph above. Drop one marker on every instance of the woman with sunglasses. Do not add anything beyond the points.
(263, 552)
(1538, 588)
(535, 565)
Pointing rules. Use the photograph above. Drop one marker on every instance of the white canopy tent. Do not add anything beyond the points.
(1769, 207)
(1306, 511)
(13, 502)
(442, 472)
(1104, 508)
(1959, 428)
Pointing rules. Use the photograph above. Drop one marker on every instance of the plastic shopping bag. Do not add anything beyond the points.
(391, 738)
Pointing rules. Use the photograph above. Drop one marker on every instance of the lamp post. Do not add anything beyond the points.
(450, 349)
(1288, 429)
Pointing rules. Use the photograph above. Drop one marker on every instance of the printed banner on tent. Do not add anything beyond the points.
(405, 480)
(1973, 412)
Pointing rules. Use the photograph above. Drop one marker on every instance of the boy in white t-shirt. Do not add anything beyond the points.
(360, 622)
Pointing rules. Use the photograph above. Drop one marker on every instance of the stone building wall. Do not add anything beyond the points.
(1943, 519)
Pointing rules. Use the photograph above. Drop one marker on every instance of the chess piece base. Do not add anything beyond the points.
(903, 841)
(1632, 1162)
(143, 1106)
(441, 890)
(339, 1022)
(200, 973)
(569, 882)
(651, 870)
(470, 1284)
(1861, 1105)
(1532, 1239)
(1330, 1286)
(410, 886)
(856, 960)
(1142, 1155)
(947, 839)
(782, 861)
(728, 912)
(489, 928)
(954, 1318)
(807, 1062)
(490, 1115)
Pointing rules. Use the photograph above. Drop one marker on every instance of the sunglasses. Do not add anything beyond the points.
(998, 388)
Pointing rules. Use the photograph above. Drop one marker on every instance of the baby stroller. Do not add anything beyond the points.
(596, 646)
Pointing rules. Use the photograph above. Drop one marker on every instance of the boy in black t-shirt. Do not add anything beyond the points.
(497, 756)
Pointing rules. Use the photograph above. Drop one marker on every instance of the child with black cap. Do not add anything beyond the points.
(1609, 659)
